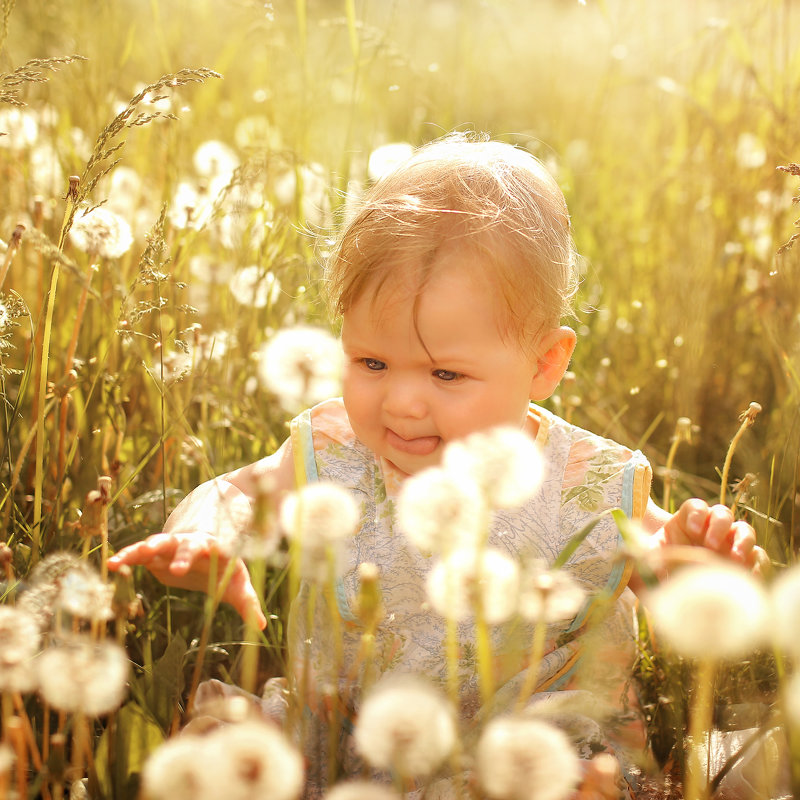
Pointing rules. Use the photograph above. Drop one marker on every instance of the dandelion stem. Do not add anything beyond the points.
(249, 674)
(700, 724)
(484, 648)
(534, 663)
(747, 419)
(683, 433)
(28, 730)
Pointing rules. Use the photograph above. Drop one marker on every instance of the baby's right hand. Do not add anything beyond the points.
(183, 560)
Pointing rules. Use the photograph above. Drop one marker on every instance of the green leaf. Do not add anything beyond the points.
(575, 541)
(121, 752)
(163, 688)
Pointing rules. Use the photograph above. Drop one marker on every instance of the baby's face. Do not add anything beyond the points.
(408, 390)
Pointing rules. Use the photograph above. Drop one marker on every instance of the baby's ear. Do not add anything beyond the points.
(554, 352)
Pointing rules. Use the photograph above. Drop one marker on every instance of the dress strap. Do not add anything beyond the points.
(305, 464)
(636, 480)
(305, 472)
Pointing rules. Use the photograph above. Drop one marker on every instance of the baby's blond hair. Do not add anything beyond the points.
(462, 189)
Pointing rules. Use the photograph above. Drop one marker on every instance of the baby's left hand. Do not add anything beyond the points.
(713, 527)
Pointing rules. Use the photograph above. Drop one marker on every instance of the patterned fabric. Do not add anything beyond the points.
(585, 475)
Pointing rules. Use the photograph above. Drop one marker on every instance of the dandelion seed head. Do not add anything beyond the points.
(718, 612)
(320, 517)
(301, 366)
(83, 593)
(520, 758)
(176, 770)
(20, 126)
(466, 577)
(314, 200)
(549, 595)
(85, 676)
(253, 759)
(322, 511)
(19, 644)
(215, 160)
(750, 152)
(505, 462)
(102, 233)
(439, 511)
(252, 286)
(386, 158)
(407, 725)
(190, 207)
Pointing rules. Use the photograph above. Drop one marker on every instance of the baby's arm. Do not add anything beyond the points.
(181, 555)
(696, 524)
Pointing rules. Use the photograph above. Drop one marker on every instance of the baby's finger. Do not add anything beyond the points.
(743, 543)
(719, 530)
(138, 553)
(688, 524)
(188, 552)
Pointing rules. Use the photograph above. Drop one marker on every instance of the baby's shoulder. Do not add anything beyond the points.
(577, 445)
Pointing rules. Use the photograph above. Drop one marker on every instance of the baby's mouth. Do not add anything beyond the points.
(418, 446)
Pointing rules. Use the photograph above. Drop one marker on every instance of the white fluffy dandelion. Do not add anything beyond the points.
(750, 152)
(20, 127)
(406, 725)
(84, 676)
(176, 771)
(520, 758)
(191, 207)
(253, 759)
(549, 595)
(384, 159)
(253, 287)
(468, 578)
(101, 233)
(785, 612)
(216, 160)
(505, 462)
(439, 511)
(19, 644)
(320, 518)
(313, 200)
(83, 593)
(717, 612)
(301, 366)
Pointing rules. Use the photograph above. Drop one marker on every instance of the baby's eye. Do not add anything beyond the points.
(373, 364)
(446, 375)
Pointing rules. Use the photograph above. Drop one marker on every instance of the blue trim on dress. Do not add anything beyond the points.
(306, 441)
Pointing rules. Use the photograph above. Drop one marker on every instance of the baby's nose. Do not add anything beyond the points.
(404, 399)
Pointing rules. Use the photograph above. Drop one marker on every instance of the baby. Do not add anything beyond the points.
(452, 282)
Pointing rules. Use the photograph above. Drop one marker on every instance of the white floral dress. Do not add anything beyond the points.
(585, 475)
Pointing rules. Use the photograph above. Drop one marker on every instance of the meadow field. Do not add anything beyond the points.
(217, 146)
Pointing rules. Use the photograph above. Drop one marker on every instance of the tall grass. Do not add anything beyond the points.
(665, 126)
